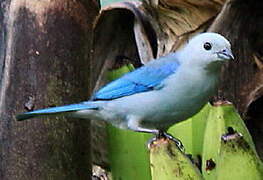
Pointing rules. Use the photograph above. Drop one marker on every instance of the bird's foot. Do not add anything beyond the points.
(164, 135)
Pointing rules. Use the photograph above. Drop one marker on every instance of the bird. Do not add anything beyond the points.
(159, 94)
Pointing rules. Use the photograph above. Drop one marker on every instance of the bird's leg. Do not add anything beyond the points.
(133, 124)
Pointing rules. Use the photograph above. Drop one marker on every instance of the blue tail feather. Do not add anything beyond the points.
(57, 110)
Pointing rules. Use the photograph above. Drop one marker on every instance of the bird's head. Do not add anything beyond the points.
(208, 50)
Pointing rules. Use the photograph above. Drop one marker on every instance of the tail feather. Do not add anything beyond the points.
(57, 110)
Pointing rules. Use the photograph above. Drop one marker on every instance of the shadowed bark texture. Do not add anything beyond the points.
(45, 61)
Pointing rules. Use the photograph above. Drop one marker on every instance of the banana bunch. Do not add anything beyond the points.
(220, 146)
(228, 149)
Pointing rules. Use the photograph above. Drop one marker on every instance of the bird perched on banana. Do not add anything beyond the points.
(159, 94)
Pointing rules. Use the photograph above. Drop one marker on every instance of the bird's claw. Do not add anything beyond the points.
(164, 135)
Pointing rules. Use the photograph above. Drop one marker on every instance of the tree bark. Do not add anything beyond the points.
(45, 61)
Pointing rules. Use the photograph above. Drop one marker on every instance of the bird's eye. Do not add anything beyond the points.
(207, 46)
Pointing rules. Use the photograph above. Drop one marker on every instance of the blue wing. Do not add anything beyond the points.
(144, 79)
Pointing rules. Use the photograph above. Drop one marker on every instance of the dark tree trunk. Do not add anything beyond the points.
(45, 61)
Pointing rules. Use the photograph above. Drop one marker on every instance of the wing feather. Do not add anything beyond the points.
(146, 78)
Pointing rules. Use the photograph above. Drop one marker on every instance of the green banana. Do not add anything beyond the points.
(169, 163)
(224, 155)
(215, 128)
(237, 160)
(128, 154)
(191, 132)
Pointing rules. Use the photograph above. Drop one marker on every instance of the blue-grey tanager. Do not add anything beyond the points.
(165, 91)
